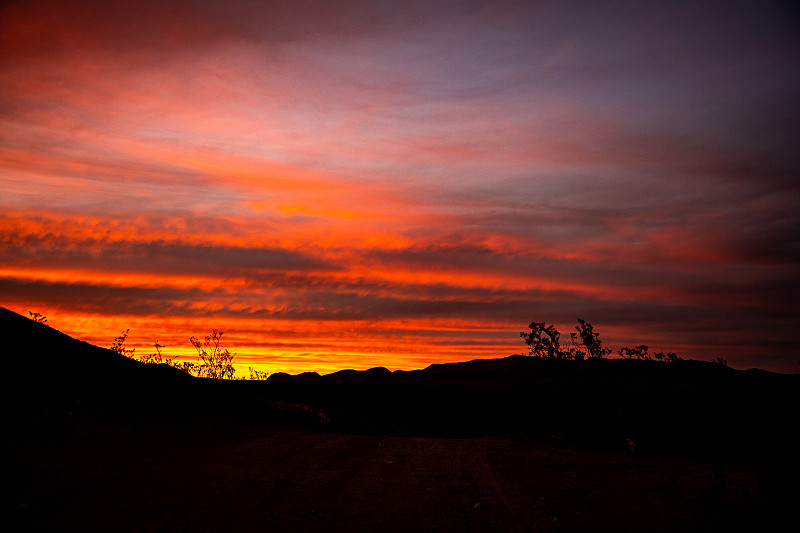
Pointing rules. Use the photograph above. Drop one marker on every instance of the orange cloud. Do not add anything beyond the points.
(418, 190)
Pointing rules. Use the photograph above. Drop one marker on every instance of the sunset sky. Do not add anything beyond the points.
(357, 184)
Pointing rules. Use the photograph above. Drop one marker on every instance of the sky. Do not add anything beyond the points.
(357, 184)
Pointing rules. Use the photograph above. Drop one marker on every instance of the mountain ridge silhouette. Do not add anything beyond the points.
(100, 442)
(684, 405)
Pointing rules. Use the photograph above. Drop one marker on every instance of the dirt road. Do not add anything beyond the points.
(278, 479)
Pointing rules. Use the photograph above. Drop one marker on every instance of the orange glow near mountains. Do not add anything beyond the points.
(387, 185)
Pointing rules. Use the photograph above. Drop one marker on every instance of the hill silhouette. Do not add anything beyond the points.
(688, 406)
(50, 373)
(99, 442)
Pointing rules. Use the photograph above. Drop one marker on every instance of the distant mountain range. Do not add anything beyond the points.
(684, 406)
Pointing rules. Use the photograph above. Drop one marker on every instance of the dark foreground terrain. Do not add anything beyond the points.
(223, 478)
(97, 442)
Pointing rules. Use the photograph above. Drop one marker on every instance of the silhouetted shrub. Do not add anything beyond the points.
(257, 375)
(544, 342)
(640, 352)
(216, 361)
(118, 345)
(38, 317)
(590, 341)
(188, 367)
(637, 352)
(155, 358)
(669, 357)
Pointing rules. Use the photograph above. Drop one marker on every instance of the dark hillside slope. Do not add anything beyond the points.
(48, 372)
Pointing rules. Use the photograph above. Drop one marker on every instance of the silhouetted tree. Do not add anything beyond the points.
(543, 340)
(590, 340)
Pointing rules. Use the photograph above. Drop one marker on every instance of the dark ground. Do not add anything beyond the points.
(97, 442)
(222, 477)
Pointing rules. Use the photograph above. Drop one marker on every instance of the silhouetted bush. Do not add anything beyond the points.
(155, 358)
(118, 345)
(637, 352)
(216, 361)
(544, 342)
(38, 317)
(640, 352)
(590, 341)
(257, 375)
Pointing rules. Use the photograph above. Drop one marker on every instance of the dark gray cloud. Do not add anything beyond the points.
(155, 256)
(96, 298)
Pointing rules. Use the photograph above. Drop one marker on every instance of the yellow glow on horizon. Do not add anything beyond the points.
(282, 345)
